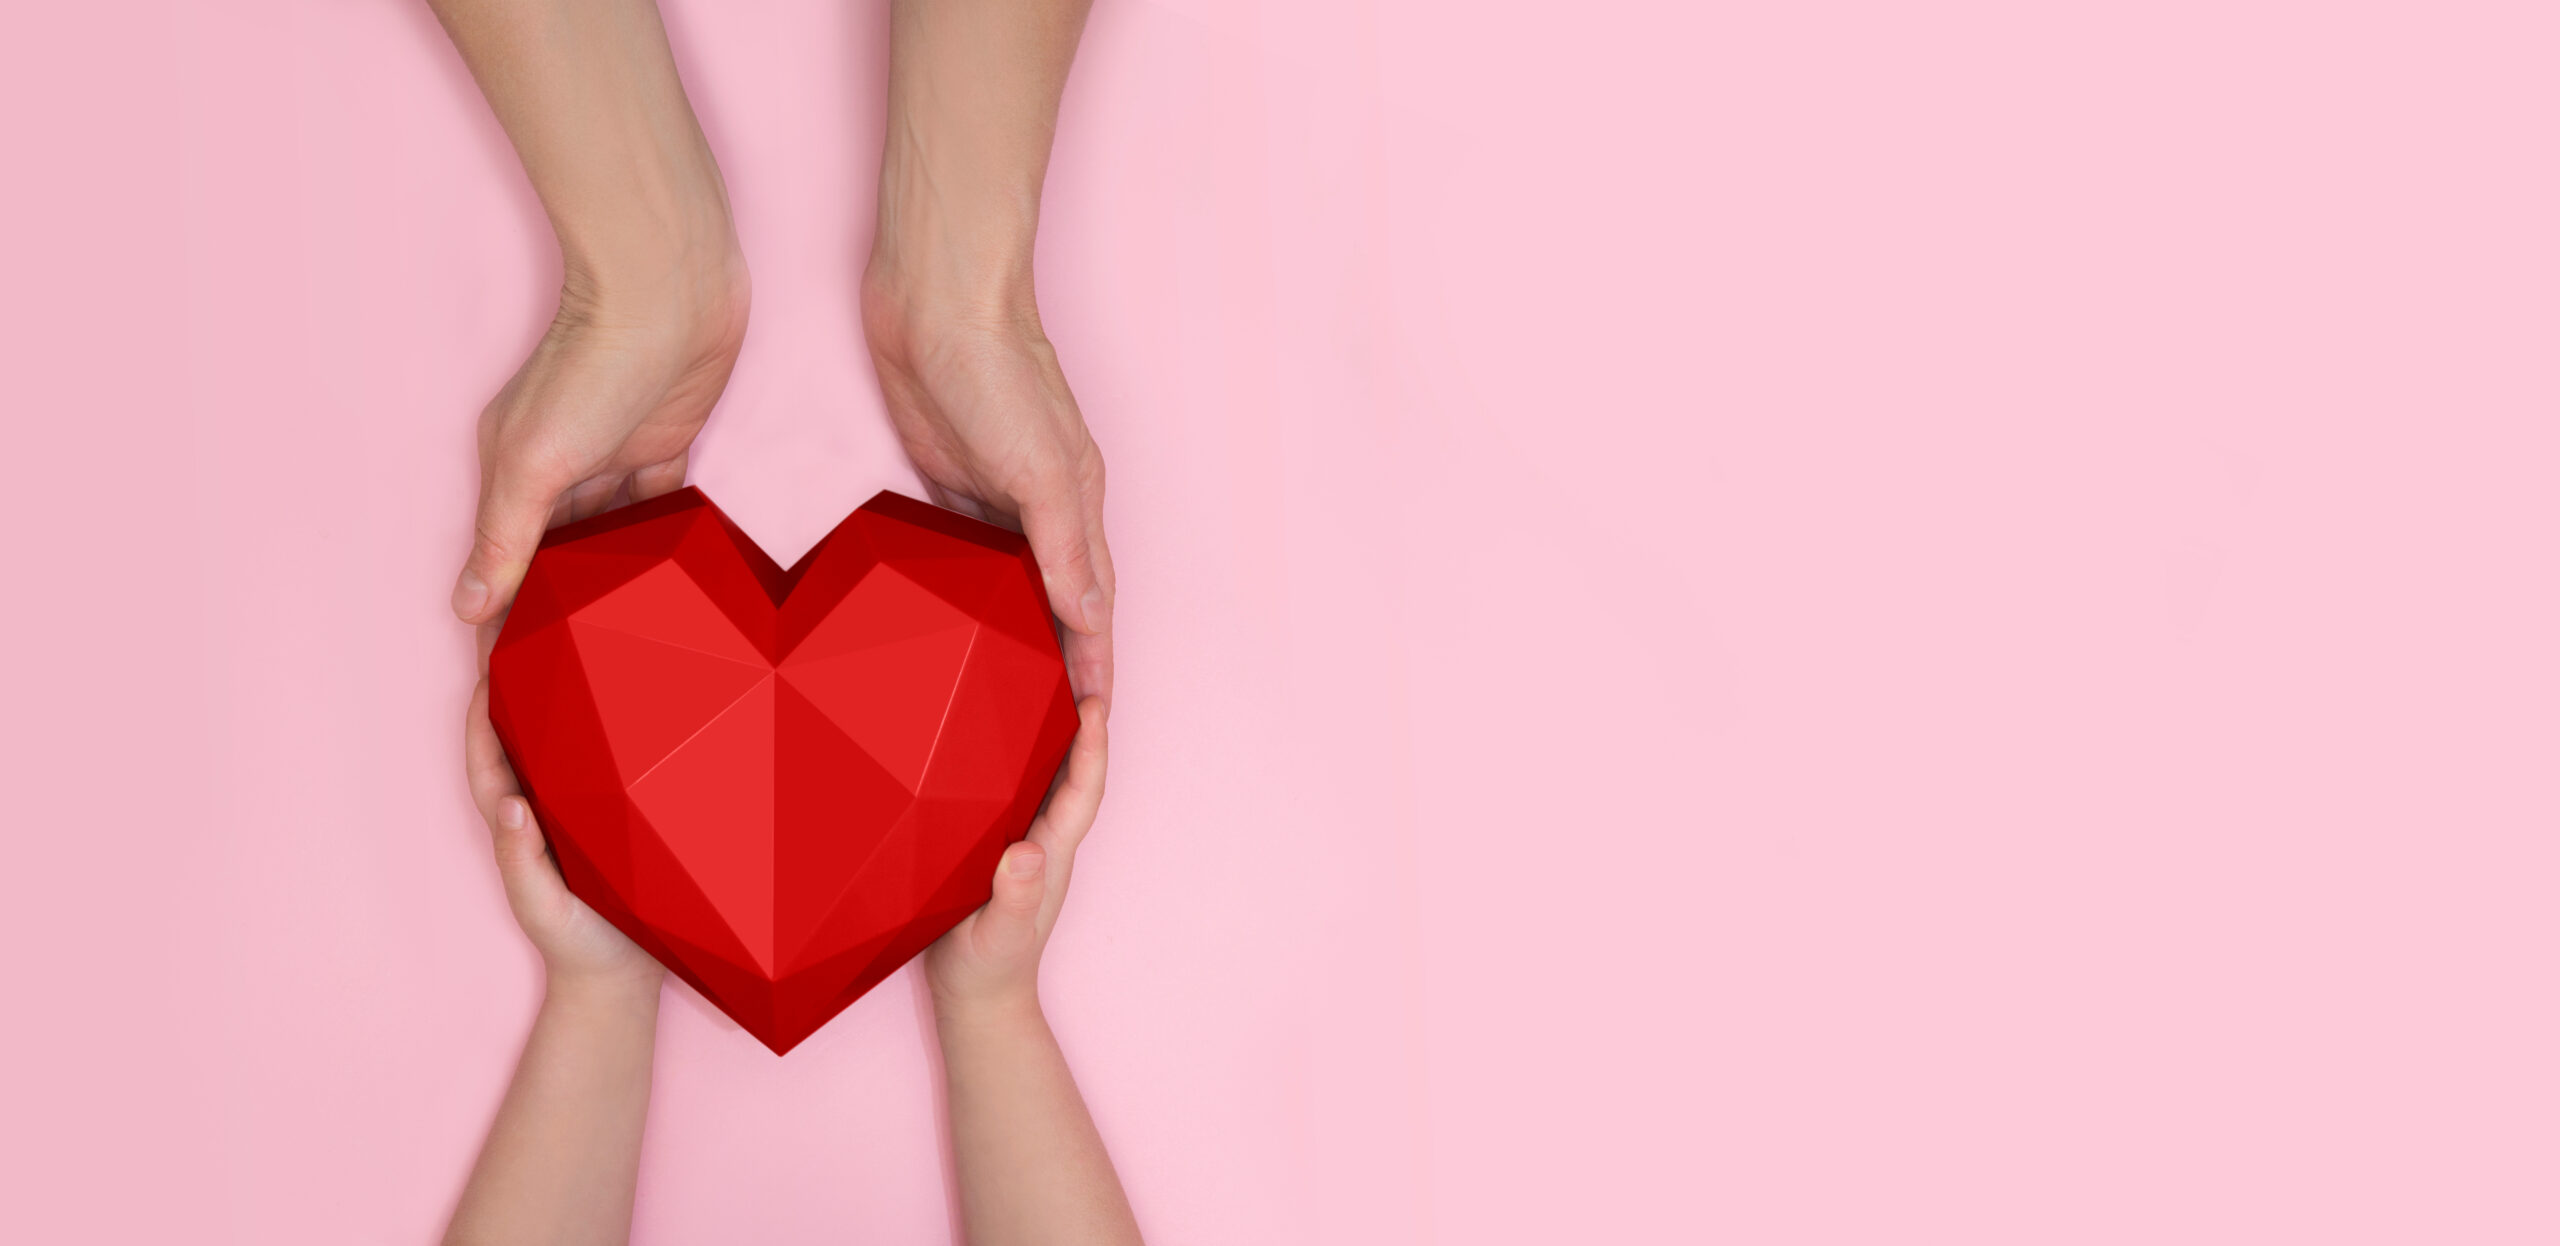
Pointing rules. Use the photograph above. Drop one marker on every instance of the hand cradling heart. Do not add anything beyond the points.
(782, 784)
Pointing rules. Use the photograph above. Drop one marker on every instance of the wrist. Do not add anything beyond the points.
(932, 282)
(656, 241)
(631, 994)
(697, 281)
(951, 241)
(1010, 1011)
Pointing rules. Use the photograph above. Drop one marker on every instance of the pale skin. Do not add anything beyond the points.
(653, 310)
(655, 292)
(563, 1156)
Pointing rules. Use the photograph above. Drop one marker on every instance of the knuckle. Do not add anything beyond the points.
(534, 453)
(489, 546)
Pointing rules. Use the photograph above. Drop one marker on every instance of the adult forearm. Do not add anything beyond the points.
(1032, 1169)
(974, 87)
(588, 93)
(563, 1156)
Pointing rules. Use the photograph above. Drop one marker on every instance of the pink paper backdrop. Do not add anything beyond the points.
(1837, 622)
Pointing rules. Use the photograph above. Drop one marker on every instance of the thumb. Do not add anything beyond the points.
(1070, 565)
(533, 883)
(515, 507)
(1009, 925)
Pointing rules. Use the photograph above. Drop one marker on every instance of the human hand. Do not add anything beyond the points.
(990, 962)
(580, 949)
(609, 402)
(653, 291)
(969, 377)
(980, 402)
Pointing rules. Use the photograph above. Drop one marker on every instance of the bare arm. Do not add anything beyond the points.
(966, 370)
(653, 300)
(979, 398)
(1033, 1171)
(563, 1155)
(974, 87)
(653, 307)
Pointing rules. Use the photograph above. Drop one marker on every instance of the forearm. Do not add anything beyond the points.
(587, 91)
(1032, 1169)
(974, 87)
(563, 1156)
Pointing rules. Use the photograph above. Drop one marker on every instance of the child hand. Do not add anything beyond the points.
(991, 960)
(579, 947)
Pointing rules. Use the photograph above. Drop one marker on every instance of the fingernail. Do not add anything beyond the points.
(1024, 863)
(469, 594)
(511, 814)
(1097, 610)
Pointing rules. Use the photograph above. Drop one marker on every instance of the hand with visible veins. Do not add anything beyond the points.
(970, 379)
(653, 311)
(604, 410)
(985, 413)
(654, 289)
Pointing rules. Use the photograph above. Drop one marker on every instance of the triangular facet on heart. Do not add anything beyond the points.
(931, 839)
(593, 568)
(734, 575)
(834, 808)
(1009, 706)
(652, 697)
(811, 994)
(670, 607)
(711, 802)
(549, 707)
(664, 887)
(883, 667)
(596, 865)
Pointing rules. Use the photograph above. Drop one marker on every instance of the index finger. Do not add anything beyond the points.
(1069, 814)
(484, 760)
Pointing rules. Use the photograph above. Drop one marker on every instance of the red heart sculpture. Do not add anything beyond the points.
(783, 784)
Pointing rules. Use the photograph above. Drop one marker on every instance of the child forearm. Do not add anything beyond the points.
(563, 1156)
(1032, 1168)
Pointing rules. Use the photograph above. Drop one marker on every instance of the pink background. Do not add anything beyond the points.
(1758, 623)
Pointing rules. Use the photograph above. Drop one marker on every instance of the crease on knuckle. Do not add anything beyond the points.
(488, 549)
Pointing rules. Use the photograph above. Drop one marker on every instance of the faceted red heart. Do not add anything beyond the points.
(783, 784)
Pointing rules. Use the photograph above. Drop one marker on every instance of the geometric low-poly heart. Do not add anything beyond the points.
(781, 783)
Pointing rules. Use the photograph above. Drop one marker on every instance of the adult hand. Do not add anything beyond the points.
(987, 416)
(968, 375)
(607, 405)
(653, 302)
(653, 308)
